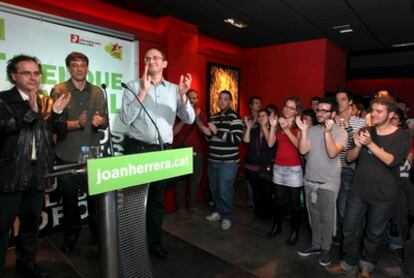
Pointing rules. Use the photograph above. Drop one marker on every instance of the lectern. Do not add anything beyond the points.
(122, 183)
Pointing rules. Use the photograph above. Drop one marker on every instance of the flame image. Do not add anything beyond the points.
(223, 79)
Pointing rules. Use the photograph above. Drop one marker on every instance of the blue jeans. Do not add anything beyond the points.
(377, 215)
(221, 176)
(347, 174)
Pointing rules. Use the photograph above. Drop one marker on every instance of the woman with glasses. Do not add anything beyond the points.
(287, 169)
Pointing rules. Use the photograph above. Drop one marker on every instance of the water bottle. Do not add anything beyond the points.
(84, 154)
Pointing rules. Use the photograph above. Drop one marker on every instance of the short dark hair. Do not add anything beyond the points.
(13, 62)
(402, 118)
(264, 110)
(191, 90)
(346, 91)
(76, 56)
(273, 107)
(226, 92)
(310, 113)
(389, 102)
(252, 99)
(162, 51)
(332, 102)
(316, 98)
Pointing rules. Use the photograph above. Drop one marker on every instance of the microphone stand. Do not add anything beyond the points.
(125, 86)
(111, 146)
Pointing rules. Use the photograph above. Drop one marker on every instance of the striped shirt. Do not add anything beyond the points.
(224, 145)
(355, 123)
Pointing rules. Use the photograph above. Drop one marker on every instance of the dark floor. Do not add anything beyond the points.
(200, 249)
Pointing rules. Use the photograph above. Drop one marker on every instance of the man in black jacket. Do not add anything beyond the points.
(27, 120)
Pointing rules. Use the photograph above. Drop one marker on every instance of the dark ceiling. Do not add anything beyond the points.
(377, 24)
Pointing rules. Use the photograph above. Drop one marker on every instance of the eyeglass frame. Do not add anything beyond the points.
(28, 74)
(153, 58)
(323, 111)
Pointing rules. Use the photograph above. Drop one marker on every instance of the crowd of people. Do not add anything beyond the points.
(346, 165)
(349, 162)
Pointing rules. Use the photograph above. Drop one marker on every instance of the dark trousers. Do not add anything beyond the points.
(377, 215)
(71, 222)
(193, 184)
(347, 174)
(155, 201)
(287, 199)
(408, 262)
(262, 194)
(28, 206)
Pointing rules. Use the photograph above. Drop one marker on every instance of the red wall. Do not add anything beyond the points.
(274, 72)
(400, 87)
(303, 69)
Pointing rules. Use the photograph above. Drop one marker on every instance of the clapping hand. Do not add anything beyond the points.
(145, 79)
(212, 127)
(273, 120)
(302, 125)
(82, 119)
(329, 124)
(33, 101)
(61, 102)
(248, 121)
(185, 83)
(98, 120)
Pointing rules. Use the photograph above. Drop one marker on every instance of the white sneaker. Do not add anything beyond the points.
(225, 224)
(213, 217)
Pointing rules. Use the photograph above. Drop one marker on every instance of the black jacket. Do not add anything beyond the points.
(18, 125)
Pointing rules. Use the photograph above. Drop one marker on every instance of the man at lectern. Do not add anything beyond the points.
(27, 120)
(161, 102)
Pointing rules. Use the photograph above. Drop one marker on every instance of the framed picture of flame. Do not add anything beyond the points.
(219, 78)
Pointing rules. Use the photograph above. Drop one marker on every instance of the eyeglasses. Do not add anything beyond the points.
(28, 74)
(154, 58)
(323, 111)
(290, 108)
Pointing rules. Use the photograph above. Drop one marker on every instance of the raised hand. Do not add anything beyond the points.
(273, 120)
(185, 83)
(302, 125)
(249, 122)
(61, 102)
(329, 124)
(33, 101)
(145, 79)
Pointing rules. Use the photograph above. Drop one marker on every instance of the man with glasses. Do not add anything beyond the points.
(164, 101)
(86, 114)
(322, 145)
(27, 120)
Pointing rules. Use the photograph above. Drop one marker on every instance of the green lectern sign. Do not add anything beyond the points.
(113, 173)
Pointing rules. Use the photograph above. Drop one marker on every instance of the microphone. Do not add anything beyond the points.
(125, 86)
(111, 146)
